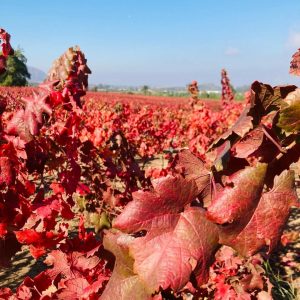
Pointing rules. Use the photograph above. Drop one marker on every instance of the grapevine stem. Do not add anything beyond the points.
(213, 184)
(278, 146)
(290, 146)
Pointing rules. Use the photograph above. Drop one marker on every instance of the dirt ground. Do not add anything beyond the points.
(285, 261)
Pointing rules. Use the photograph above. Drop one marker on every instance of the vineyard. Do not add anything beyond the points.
(137, 197)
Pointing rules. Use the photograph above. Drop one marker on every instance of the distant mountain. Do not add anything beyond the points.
(37, 75)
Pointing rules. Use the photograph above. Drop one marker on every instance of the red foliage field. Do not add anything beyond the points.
(75, 192)
(213, 104)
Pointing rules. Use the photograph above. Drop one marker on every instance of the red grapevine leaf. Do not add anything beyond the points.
(6, 49)
(256, 145)
(264, 99)
(231, 203)
(73, 289)
(171, 234)
(5, 43)
(5, 293)
(34, 288)
(26, 123)
(295, 64)
(35, 107)
(16, 126)
(3, 229)
(7, 175)
(263, 295)
(242, 126)
(27, 236)
(170, 196)
(70, 178)
(252, 281)
(194, 169)
(249, 144)
(39, 241)
(266, 224)
(167, 257)
(224, 291)
(70, 265)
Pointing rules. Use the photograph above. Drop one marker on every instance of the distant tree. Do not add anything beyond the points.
(94, 89)
(16, 71)
(145, 89)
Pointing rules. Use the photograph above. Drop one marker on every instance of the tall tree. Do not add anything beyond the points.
(16, 71)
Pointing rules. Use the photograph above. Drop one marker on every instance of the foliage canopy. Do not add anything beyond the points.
(16, 70)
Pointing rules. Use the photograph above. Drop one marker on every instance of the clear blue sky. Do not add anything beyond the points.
(161, 42)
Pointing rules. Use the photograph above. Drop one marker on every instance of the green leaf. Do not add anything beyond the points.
(124, 284)
(289, 117)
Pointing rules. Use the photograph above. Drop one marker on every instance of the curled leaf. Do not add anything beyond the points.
(239, 196)
(267, 222)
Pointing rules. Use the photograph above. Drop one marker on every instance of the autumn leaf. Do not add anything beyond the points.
(263, 100)
(170, 196)
(26, 123)
(240, 128)
(266, 224)
(289, 115)
(176, 243)
(249, 144)
(70, 265)
(295, 63)
(7, 174)
(124, 283)
(239, 196)
(193, 168)
(266, 98)
(39, 241)
(166, 258)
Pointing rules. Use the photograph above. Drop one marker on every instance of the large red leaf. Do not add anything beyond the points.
(26, 123)
(240, 195)
(155, 208)
(267, 222)
(166, 257)
(176, 243)
(260, 144)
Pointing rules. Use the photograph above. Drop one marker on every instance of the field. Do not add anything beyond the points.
(117, 196)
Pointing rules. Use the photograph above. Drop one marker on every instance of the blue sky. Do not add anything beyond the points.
(161, 42)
